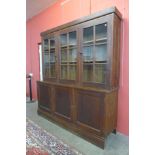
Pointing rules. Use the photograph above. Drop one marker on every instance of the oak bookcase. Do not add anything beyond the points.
(80, 83)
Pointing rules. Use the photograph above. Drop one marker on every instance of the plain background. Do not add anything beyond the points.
(13, 77)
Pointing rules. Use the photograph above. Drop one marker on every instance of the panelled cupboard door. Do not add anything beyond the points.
(89, 110)
(68, 54)
(45, 97)
(63, 102)
(49, 55)
(96, 41)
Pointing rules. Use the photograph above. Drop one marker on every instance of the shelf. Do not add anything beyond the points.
(72, 62)
(51, 48)
(90, 41)
(86, 62)
(64, 63)
(46, 49)
(87, 45)
(96, 43)
(101, 39)
(101, 62)
(72, 46)
(63, 46)
(104, 43)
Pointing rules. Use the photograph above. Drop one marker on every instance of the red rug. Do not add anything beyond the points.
(40, 142)
(36, 151)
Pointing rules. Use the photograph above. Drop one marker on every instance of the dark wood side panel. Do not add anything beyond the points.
(89, 109)
(116, 51)
(44, 96)
(110, 112)
(63, 101)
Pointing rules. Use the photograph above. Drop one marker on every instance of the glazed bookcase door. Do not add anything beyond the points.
(45, 58)
(68, 45)
(49, 57)
(95, 52)
(53, 57)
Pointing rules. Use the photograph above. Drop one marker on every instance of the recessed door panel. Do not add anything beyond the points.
(89, 108)
(62, 101)
(44, 97)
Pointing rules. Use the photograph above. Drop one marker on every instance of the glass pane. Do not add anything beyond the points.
(88, 34)
(45, 41)
(63, 54)
(88, 53)
(46, 71)
(52, 43)
(72, 55)
(99, 73)
(46, 58)
(52, 56)
(101, 52)
(63, 38)
(46, 44)
(72, 38)
(72, 72)
(52, 70)
(88, 72)
(101, 31)
(64, 71)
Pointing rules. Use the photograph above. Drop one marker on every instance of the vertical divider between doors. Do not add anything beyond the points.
(94, 52)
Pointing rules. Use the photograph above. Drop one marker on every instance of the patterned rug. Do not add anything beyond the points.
(40, 142)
